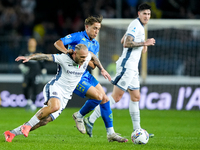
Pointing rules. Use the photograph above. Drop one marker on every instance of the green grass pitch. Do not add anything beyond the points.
(173, 130)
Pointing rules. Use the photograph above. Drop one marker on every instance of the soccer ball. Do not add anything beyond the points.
(140, 136)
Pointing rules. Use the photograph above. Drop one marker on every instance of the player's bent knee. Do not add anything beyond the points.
(105, 98)
(135, 98)
(55, 108)
(98, 96)
(117, 98)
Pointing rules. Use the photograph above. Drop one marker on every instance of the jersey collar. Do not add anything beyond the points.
(140, 22)
(85, 34)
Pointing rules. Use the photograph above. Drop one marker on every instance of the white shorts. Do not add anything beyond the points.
(126, 78)
(51, 91)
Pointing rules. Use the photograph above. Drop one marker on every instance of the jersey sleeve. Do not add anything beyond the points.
(133, 29)
(59, 58)
(70, 38)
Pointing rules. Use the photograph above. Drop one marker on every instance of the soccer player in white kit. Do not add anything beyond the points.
(59, 90)
(127, 76)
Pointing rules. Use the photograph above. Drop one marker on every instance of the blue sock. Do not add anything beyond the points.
(89, 105)
(106, 114)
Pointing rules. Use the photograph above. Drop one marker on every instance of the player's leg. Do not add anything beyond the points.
(115, 97)
(95, 95)
(134, 108)
(9, 135)
(95, 99)
(106, 114)
(90, 87)
(42, 122)
(53, 105)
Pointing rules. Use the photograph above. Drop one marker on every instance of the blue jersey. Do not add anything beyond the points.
(81, 38)
(72, 40)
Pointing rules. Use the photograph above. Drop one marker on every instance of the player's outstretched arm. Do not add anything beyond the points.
(37, 56)
(97, 63)
(129, 42)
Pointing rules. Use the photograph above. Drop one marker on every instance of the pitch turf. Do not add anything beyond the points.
(173, 130)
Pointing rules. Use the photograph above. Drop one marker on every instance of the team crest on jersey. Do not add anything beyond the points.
(134, 29)
(83, 39)
(55, 93)
(68, 36)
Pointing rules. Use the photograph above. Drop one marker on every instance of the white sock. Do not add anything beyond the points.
(97, 113)
(79, 115)
(112, 101)
(33, 121)
(110, 130)
(17, 131)
(135, 114)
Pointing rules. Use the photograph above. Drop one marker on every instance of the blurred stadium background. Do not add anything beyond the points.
(170, 72)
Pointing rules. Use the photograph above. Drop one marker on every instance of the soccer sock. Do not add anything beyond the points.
(79, 115)
(89, 105)
(96, 114)
(111, 99)
(110, 130)
(106, 114)
(33, 121)
(17, 131)
(135, 114)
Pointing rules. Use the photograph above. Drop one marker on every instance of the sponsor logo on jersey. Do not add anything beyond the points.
(75, 73)
(84, 83)
(68, 36)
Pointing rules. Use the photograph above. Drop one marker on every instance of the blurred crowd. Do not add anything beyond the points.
(49, 18)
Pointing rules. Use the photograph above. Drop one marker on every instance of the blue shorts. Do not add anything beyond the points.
(85, 83)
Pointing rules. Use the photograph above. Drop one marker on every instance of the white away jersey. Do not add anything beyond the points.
(130, 56)
(68, 74)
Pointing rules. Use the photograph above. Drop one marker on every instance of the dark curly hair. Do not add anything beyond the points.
(144, 6)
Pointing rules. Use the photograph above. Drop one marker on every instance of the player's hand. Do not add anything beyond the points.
(150, 42)
(70, 51)
(23, 58)
(105, 74)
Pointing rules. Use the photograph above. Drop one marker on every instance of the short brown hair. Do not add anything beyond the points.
(91, 20)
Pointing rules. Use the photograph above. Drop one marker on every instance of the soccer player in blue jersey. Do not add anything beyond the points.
(127, 76)
(89, 86)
